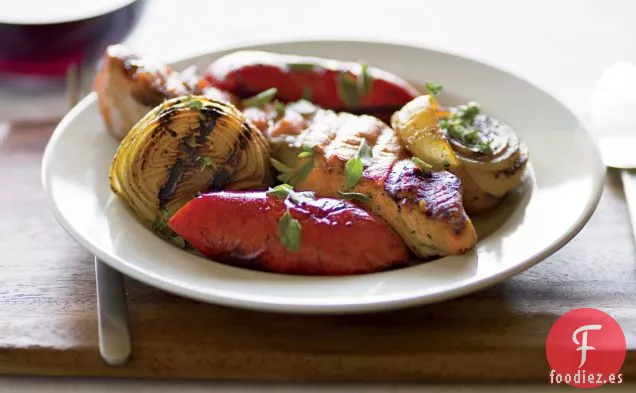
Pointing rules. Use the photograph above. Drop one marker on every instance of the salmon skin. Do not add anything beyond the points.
(330, 84)
(242, 228)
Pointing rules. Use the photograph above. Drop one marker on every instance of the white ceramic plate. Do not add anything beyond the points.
(560, 192)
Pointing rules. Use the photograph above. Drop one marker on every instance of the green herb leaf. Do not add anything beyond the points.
(353, 173)
(469, 112)
(354, 196)
(281, 191)
(365, 82)
(280, 167)
(303, 172)
(421, 163)
(484, 147)
(365, 153)
(260, 99)
(205, 162)
(348, 89)
(161, 221)
(307, 151)
(307, 94)
(433, 88)
(195, 104)
(289, 231)
(304, 154)
(302, 67)
(279, 107)
(303, 107)
(177, 241)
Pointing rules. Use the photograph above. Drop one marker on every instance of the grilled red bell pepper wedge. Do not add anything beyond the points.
(241, 228)
(331, 84)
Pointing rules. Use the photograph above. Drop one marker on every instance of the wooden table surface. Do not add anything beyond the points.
(47, 299)
(48, 322)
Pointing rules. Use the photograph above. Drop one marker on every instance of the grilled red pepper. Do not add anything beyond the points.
(331, 84)
(319, 236)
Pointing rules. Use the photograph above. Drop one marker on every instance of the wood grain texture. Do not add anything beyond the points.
(48, 320)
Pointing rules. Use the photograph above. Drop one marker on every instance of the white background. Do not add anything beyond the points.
(562, 46)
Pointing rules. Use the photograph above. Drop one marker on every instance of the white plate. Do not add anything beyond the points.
(558, 196)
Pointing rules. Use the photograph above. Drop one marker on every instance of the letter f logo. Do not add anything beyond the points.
(584, 347)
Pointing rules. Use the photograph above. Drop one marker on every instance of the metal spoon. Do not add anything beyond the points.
(613, 118)
(112, 310)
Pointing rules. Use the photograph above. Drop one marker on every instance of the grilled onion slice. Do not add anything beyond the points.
(185, 146)
(487, 174)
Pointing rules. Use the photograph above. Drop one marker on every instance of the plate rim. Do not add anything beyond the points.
(361, 307)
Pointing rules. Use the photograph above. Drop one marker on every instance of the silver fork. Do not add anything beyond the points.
(112, 309)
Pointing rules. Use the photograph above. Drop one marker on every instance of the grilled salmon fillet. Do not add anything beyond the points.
(425, 208)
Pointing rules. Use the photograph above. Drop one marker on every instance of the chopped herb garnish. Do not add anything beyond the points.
(302, 67)
(484, 147)
(433, 88)
(353, 173)
(303, 107)
(281, 191)
(161, 222)
(355, 166)
(205, 162)
(195, 104)
(290, 175)
(365, 153)
(348, 89)
(467, 113)
(289, 231)
(365, 83)
(177, 241)
(279, 107)
(354, 196)
(421, 163)
(260, 99)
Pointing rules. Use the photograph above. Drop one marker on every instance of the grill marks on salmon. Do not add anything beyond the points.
(424, 208)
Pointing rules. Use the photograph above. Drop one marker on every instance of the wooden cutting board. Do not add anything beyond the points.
(48, 321)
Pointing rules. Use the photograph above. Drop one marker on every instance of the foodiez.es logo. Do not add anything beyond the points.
(586, 348)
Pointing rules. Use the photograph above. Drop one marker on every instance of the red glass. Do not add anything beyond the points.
(47, 50)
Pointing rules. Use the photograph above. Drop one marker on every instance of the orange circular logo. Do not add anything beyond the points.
(586, 348)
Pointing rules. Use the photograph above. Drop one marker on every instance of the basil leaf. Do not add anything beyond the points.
(289, 231)
(353, 173)
(354, 196)
(347, 89)
(421, 164)
(302, 67)
(195, 104)
(281, 191)
(365, 153)
(260, 99)
(433, 88)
